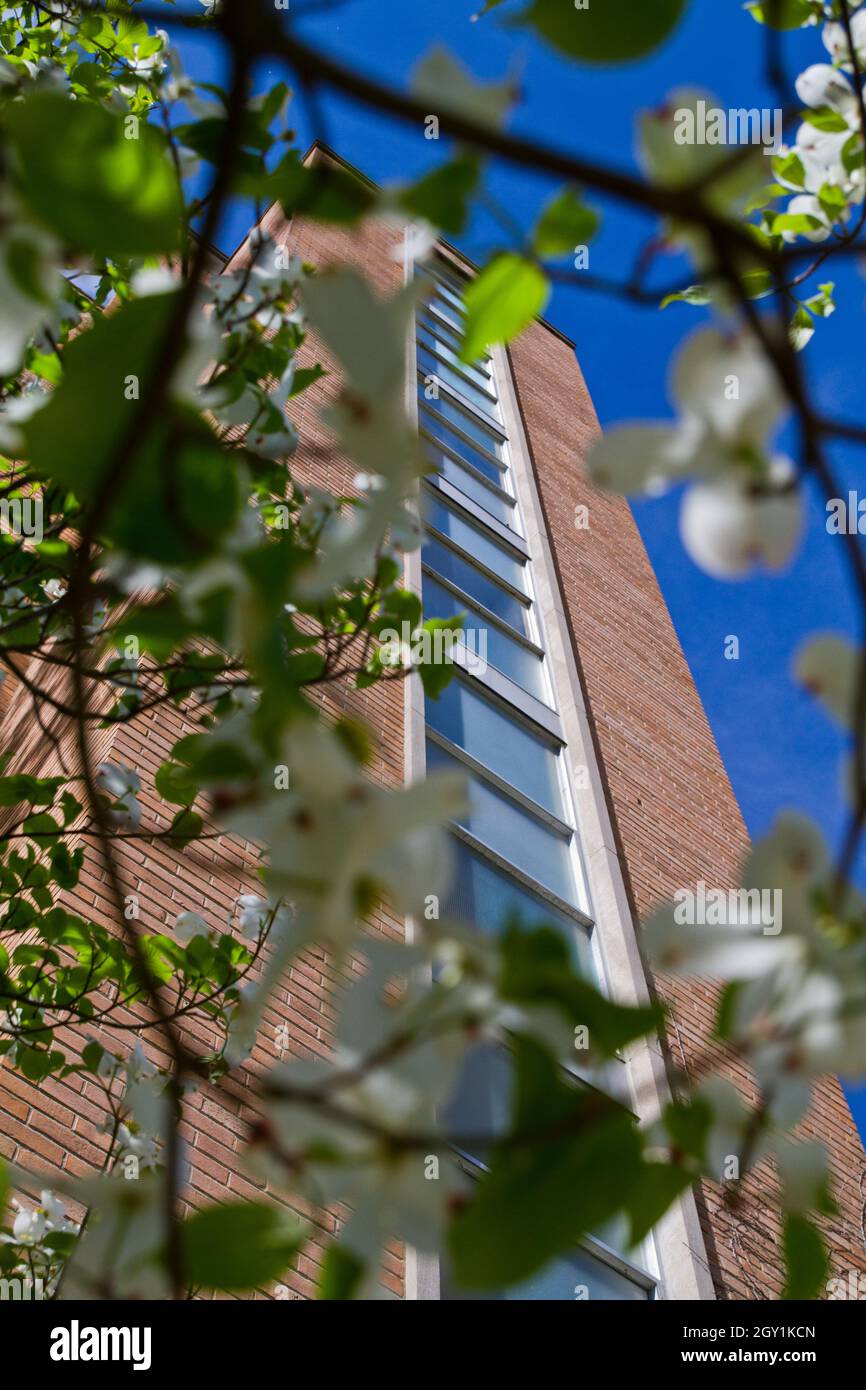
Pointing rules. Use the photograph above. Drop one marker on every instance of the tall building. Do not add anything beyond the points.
(596, 788)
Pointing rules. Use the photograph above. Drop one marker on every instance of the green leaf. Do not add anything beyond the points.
(832, 200)
(174, 784)
(92, 1054)
(689, 1125)
(784, 14)
(801, 329)
(656, 1189)
(444, 82)
(157, 951)
(442, 197)
(822, 303)
(187, 825)
(565, 224)
(541, 1195)
(181, 492)
(38, 791)
(604, 31)
(239, 1245)
(824, 118)
(304, 377)
(789, 168)
(853, 155)
(695, 294)
(798, 222)
(37, 1064)
(758, 283)
(503, 300)
(806, 1262)
(537, 969)
(42, 828)
(322, 190)
(96, 189)
(436, 674)
(61, 1242)
(342, 1272)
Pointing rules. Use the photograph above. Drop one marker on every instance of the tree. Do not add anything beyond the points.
(159, 552)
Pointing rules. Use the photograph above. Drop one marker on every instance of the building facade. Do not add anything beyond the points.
(596, 789)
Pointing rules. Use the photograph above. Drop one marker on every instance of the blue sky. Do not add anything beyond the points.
(778, 749)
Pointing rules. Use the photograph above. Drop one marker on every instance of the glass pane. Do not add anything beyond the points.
(438, 428)
(480, 1103)
(446, 310)
(446, 274)
(577, 1276)
(488, 644)
(486, 591)
(451, 412)
(515, 834)
(473, 541)
(446, 291)
(486, 898)
(438, 339)
(480, 1106)
(432, 321)
(432, 366)
(506, 748)
(502, 508)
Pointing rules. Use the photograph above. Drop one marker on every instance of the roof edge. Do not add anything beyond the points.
(320, 149)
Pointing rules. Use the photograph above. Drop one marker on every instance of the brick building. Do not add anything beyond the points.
(596, 786)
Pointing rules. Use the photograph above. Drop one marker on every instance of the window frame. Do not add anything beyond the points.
(596, 1248)
(457, 370)
(524, 595)
(497, 494)
(544, 819)
(430, 319)
(493, 618)
(507, 536)
(478, 417)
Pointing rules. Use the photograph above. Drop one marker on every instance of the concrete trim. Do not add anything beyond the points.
(421, 1279)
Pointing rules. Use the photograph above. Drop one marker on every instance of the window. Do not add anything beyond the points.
(487, 897)
(515, 849)
(472, 540)
(480, 1106)
(488, 642)
(497, 741)
(438, 340)
(576, 1276)
(444, 288)
(513, 832)
(433, 366)
(449, 410)
(494, 501)
(433, 326)
(458, 571)
(436, 427)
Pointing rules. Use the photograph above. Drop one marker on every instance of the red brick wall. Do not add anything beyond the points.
(673, 809)
(55, 1127)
